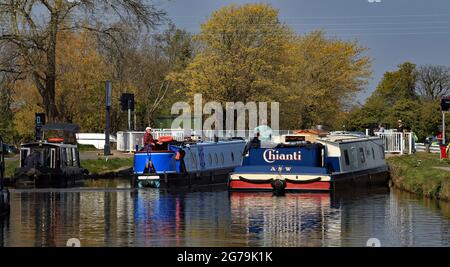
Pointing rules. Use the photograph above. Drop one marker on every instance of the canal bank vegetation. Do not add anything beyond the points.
(103, 166)
(423, 174)
(242, 53)
(97, 167)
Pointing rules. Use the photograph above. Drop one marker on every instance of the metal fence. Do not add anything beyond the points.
(395, 142)
(127, 141)
(433, 149)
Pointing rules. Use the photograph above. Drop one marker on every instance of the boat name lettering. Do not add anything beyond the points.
(272, 155)
(280, 169)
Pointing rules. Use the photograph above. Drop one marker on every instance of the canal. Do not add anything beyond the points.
(109, 213)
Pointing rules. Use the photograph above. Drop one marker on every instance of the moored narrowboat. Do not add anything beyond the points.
(184, 164)
(53, 161)
(294, 163)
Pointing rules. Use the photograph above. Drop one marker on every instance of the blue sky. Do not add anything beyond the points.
(395, 31)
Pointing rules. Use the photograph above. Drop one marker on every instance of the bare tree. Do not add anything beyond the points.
(31, 28)
(433, 81)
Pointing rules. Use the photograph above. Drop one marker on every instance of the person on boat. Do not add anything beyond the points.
(255, 142)
(33, 160)
(401, 126)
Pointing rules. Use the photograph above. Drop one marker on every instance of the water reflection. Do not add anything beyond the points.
(293, 220)
(119, 216)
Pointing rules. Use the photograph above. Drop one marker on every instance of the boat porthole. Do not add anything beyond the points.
(222, 160)
(216, 158)
(232, 156)
(210, 159)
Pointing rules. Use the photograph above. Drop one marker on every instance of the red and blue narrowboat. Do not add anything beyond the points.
(294, 163)
(186, 164)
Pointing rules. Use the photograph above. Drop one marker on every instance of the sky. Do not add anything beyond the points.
(394, 31)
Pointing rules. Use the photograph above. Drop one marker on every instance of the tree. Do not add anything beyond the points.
(31, 28)
(81, 72)
(433, 81)
(379, 107)
(399, 84)
(7, 82)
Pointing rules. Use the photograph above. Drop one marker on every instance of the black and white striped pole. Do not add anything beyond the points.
(108, 88)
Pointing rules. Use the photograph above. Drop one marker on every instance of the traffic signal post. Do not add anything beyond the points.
(127, 103)
(445, 107)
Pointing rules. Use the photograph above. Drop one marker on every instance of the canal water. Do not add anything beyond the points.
(119, 216)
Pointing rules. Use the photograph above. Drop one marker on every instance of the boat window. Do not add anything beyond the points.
(194, 160)
(373, 153)
(347, 160)
(216, 158)
(382, 152)
(222, 160)
(63, 157)
(232, 156)
(69, 157)
(23, 155)
(52, 158)
(362, 156)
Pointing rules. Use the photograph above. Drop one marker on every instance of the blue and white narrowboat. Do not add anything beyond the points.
(186, 164)
(4, 193)
(52, 161)
(294, 163)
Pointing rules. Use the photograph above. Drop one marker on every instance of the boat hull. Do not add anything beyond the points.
(267, 182)
(45, 177)
(183, 166)
(177, 180)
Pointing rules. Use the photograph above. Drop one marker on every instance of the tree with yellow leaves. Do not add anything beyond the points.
(244, 54)
(247, 54)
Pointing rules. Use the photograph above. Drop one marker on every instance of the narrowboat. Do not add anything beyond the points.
(184, 164)
(52, 161)
(4, 193)
(305, 162)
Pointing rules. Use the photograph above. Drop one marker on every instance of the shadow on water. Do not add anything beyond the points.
(109, 213)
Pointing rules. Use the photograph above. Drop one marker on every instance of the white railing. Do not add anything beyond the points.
(433, 148)
(395, 142)
(127, 141)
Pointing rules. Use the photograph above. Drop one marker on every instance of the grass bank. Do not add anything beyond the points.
(94, 166)
(420, 174)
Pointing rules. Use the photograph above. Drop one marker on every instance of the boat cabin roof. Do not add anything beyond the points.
(41, 144)
(342, 138)
(65, 127)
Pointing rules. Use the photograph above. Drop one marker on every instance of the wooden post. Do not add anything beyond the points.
(443, 127)
(108, 89)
